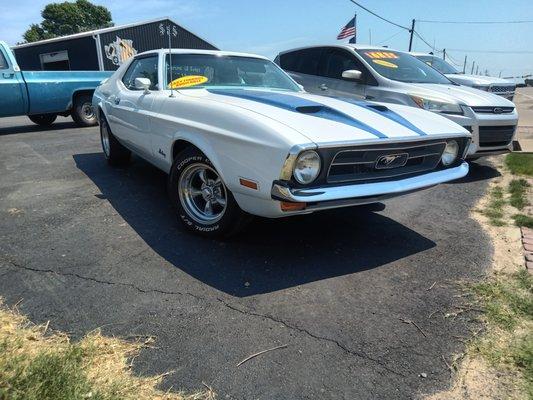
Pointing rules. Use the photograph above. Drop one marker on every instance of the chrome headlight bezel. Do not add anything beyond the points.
(450, 154)
(307, 167)
(437, 105)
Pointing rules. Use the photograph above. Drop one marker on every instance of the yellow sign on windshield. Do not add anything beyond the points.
(385, 63)
(381, 54)
(187, 81)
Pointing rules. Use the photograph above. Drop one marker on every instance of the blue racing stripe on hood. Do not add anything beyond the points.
(387, 113)
(299, 105)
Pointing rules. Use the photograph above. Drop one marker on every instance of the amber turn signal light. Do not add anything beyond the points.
(289, 206)
(247, 183)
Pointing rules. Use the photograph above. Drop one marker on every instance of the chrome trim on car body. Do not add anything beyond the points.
(321, 194)
(288, 165)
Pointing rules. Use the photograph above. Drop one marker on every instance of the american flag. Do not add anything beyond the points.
(348, 30)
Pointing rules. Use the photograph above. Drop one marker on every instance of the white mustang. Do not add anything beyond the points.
(238, 136)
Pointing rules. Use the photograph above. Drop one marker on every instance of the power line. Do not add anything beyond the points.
(475, 22)
(425, 41)
(379, 16)
(390, 37)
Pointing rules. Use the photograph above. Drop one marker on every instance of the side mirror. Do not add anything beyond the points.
(301, 87)
(352, 74)
(142, 84)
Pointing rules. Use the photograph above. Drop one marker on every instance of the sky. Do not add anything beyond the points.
(267, 27)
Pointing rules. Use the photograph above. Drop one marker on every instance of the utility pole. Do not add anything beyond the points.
(472, 72)
(464, 67)
(444, 54)
(412, 32)
(477, 69)
(370, 35)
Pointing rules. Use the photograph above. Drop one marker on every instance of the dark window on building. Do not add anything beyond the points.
(142, 68)
(304, 61)
(3, 62)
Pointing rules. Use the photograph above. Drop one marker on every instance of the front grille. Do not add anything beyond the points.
(502, 89)
(490, 136)
(493, 110)
(359, 164)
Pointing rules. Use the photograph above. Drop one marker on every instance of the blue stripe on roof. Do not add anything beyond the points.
(387, 113)
(293, 103)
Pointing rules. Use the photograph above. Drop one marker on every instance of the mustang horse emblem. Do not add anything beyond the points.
(392, 161)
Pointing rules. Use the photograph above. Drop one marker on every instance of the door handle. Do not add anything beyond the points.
(8, 75)
(323, 87)
(117, 100)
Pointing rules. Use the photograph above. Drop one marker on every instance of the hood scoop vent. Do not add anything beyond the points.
(378, 107)
(310, 109)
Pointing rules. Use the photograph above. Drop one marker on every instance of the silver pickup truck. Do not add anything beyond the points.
(391, 76)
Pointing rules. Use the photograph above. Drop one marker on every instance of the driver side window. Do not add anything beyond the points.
(145, 67)
(336, 61)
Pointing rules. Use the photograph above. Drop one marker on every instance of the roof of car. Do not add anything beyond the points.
(350, 46)
(196, 51)
(414, 53)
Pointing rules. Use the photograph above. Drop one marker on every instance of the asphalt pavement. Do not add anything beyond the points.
(358, 295)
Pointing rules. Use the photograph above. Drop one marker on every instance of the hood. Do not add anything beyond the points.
(476, 80)
(328, 120)
(462, 94)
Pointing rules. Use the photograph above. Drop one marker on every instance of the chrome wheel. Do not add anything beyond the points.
(105, 139)
(202, 193)
(87, 111)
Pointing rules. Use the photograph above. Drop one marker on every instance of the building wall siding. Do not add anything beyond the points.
(81, 52)
(146, 37)
(116, 46)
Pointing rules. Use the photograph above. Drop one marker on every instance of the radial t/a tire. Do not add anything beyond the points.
(115, 153)
(202, 201)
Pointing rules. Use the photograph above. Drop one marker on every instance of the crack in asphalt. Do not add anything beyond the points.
(226, 304)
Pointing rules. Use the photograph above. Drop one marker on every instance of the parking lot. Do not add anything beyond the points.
(85, 245)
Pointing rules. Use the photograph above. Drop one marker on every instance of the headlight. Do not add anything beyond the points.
(451, 151)
(307, 167)
(437, 105)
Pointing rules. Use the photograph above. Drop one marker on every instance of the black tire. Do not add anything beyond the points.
(43, 119)
(232, 219)
(115, 153)
(83, 112)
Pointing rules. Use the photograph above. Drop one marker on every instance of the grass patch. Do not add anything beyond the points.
(39, 366)
(507, 302)
(523, 220)
(520, 163)
(518, 191)
(494, 210)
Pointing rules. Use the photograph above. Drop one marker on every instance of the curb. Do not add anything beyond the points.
(527, 244)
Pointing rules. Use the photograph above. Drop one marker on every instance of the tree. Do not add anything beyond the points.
(60, 19)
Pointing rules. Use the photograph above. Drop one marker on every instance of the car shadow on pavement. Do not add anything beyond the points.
(30, 127)
(480, 170)
(271, 254)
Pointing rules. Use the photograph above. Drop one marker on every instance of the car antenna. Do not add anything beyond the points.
(170, 59)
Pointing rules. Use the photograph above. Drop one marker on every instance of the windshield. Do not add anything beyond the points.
(193, 71)
(439, 64)
(402, 67)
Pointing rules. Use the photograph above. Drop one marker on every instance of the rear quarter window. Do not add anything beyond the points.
(304, 61)
(3, 62)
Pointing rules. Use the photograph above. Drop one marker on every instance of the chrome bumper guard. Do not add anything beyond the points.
(368, 190)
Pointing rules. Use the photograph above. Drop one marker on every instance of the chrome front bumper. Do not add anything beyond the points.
(367, 192)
